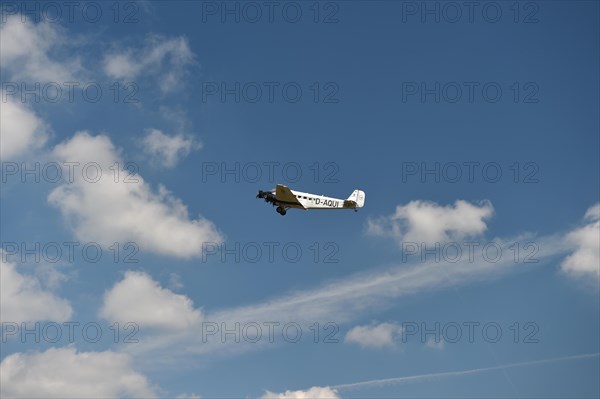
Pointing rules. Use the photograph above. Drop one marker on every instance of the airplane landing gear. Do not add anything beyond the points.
(281, 211)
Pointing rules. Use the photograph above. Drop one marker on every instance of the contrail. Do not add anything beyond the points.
(425, 377)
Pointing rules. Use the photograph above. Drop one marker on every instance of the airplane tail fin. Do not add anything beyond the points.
(358, 196)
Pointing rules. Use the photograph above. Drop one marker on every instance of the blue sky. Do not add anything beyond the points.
(471, 130)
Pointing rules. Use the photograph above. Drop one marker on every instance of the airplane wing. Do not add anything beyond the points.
(284, 195)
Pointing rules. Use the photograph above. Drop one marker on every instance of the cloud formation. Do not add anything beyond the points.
(375, 335)
(22, 298)
(66, 373)
(311, 393)
(167, 149)
(34, 52)
(105, 204)
(22, 130)
(585, 259)
(425, 221)
(166, 59)
(349, 298)
(139, 299)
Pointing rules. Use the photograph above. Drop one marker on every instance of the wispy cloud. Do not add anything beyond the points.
(166, 149)
(165, 59)
(459, 373)
(348, 299)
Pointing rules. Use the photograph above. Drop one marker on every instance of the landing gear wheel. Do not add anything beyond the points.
(281, 211)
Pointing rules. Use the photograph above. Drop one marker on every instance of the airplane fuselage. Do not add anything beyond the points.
(312, 201)
(284, 198)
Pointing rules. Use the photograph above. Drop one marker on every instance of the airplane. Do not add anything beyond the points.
(284, 198)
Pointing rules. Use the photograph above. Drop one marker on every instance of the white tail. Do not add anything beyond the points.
(358, 196)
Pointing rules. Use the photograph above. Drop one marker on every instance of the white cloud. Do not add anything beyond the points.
(348, 299)
(593, 213)
(352, 297)
(375, 336)
(424, 221)
(22, 298)
(33, 52)
(311, 393)
(432, 344)
(139, 299)
(165, 59)
(585, 260)
(176, 116)
(108, 211)
(66, 373)
(21, 130)
(175, 282)
(168, 149)
(51, 274)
